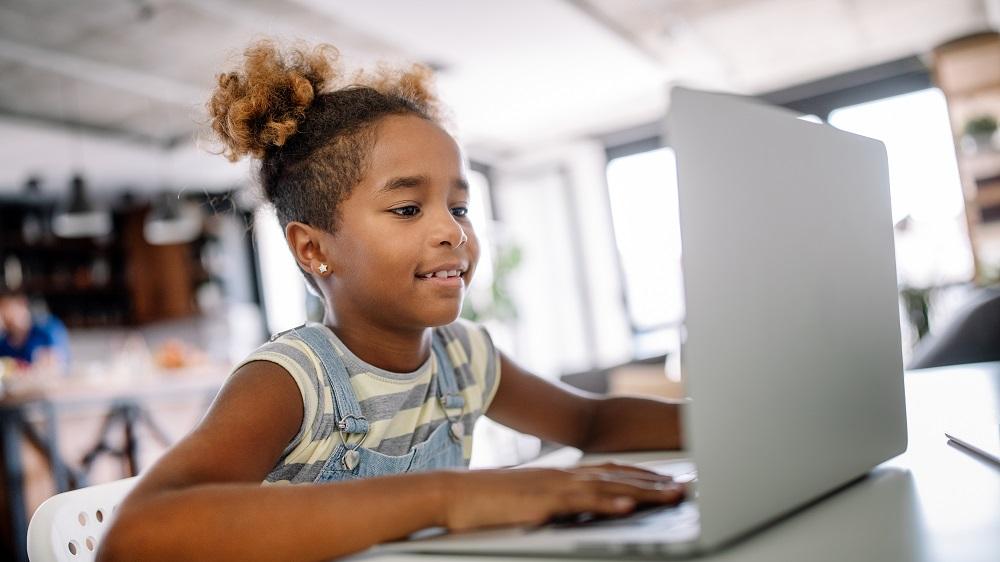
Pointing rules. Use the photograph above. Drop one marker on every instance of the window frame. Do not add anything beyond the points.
(819, 97)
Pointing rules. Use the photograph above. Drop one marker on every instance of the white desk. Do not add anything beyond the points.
(934, 502)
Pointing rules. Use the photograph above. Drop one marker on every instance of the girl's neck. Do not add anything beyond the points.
(398, 352)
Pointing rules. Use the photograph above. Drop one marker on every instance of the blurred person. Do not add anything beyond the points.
(34, 340)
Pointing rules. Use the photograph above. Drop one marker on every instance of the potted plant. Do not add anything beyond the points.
(980, 133)
(497, 303)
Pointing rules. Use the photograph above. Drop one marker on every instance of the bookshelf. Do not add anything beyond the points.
(968, 72)
(95, 282)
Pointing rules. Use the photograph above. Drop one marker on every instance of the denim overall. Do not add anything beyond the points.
(349, 461)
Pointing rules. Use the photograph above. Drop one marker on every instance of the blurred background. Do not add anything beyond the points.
(144, 266)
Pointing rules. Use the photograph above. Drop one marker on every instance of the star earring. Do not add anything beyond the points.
(323, 268)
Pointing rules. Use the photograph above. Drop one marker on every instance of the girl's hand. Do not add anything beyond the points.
(489, 498)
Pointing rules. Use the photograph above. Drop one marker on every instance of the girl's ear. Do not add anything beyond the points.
(305, 243)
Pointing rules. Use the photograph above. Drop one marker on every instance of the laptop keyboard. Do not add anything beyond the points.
(642, 511)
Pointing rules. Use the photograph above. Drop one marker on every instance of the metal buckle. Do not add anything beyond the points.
(443, 400)
(342, 424)
(351, 457)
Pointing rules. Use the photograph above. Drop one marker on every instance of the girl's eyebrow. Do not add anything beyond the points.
(404, 182)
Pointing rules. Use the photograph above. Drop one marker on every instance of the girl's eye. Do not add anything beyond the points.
(412, 210)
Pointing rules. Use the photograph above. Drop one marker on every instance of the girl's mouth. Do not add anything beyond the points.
(444, 278)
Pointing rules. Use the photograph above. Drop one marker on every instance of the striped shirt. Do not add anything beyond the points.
(402, 408)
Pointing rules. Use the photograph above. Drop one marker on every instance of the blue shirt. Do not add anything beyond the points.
(45, 333)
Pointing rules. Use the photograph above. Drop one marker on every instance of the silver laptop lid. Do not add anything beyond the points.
(793, 353)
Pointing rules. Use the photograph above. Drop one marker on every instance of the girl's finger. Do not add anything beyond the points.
(617, 467)
(593, 502)
(643, 493)
(625, 471)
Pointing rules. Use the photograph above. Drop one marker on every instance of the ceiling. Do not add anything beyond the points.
(123, 82)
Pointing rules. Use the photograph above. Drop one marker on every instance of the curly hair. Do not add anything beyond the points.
(310, 127)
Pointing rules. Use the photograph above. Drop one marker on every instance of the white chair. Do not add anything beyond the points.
(68, 527)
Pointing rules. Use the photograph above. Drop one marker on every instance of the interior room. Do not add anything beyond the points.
(155, 266)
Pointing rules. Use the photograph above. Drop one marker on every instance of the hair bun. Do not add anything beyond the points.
(263, 103)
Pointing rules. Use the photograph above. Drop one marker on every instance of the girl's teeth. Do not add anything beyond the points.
(442, 274)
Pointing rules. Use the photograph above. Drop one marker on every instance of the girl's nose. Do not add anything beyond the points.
(449, 232)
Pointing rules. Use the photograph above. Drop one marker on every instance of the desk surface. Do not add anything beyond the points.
(935, 502)
(80, 390)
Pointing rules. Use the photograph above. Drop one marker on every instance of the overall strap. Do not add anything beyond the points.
(447, 386)
(350, 420)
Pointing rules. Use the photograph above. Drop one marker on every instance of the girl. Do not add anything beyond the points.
(374, 406)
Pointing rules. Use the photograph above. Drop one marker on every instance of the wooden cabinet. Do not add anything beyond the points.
(968, 72)
(118, 280)
(161, 279)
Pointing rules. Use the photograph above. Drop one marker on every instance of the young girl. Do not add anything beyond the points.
(373, 408)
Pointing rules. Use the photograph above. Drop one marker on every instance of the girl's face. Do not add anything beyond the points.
(407, 218)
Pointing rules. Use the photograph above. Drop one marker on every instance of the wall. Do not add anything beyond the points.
(108, 163)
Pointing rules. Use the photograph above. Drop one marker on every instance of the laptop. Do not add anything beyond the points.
(792, 355)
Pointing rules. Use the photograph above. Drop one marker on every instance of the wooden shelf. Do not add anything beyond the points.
(981, 165)
(109, 290)
(968, 72)
(966, 67)
(122, 280)
(60, 247)
(975, 95)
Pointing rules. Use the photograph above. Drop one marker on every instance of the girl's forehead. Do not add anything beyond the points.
(399, 136)
(407, 145)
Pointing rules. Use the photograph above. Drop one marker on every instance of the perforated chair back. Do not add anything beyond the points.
(68, 527)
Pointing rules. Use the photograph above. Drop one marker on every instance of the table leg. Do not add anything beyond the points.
(60, 472)
(47, 444)
(10, 433)
(131, 448)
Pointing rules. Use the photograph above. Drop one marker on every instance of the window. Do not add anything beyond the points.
(283, 289)
(932, 245)
(643, 192)
(481, 216)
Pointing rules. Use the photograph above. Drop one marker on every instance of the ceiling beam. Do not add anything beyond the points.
(143, 84)
(326, 28)
(993, 13)
(241, 13)
(71, 126)
(617, 30)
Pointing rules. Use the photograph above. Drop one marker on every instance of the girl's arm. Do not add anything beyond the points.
(557, 412)
(203, 500)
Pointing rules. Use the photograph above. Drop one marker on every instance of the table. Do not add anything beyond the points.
(935, 502)
(124, 400)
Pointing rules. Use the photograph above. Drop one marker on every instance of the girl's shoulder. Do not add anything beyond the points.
(288, 351)
(284, 348)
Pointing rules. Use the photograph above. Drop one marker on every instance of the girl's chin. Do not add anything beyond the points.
(442, 317)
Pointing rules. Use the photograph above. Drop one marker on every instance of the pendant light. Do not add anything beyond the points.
(171, 221)
(80, 218)
(33, 224)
